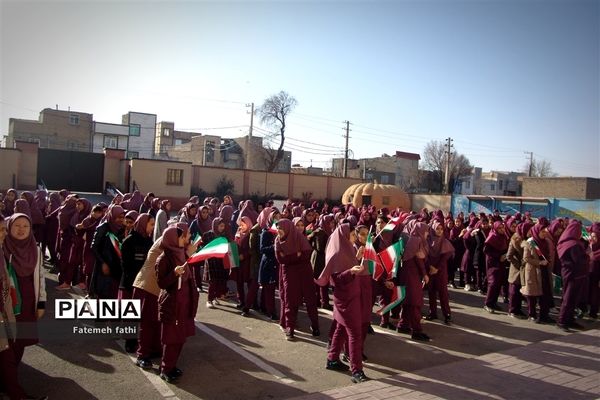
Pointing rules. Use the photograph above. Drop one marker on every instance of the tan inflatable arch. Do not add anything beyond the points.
(379, 195)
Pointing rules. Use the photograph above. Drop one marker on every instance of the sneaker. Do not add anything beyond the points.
(143, 363)
(337, 365)
(345, 357)
(447, 319)
(489, 309)
(420, 336)
(359, 377)
(245, 312)
(216, 301)
(563, 328)
(545, 320)
(316, 332)
(467, 287)
(168, 377)
(431, 317)
(370, 330)
(176, 372)
(402, 330)
(576, 325)
(210, 304)
(452, 285)
(516, 315)
(384, 325)
(289, 335)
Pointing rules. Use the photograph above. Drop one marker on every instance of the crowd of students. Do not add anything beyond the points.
(138, 247)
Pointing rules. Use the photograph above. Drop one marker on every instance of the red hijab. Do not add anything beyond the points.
(497, 240)
(570, 237)
(170, 245)
(141, 223)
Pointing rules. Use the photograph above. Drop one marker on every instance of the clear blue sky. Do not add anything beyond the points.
(499, 77)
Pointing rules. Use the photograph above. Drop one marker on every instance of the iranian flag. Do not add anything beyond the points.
(369, 259)
(13, 288)
(535, 246)
(585, 235)
(390, 257)
(218, 248)
(394, 222)
(232, 258)
(273, 228)
(116, 243)
(197, 240)
(398, 295)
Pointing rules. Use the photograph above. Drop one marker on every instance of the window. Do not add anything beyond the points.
(385, 200)
(73, 119)
(175, 177)
(166, 132)
(493, 186)
(467, 184)
(500, 185)
(134, 129)
(111, 142)
(133, 154)
(385, 180)
(209, 152)
(178, 142)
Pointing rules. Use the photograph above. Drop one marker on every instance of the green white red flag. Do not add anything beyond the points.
(273, 228)
(398, 295)
(116, 243)
(218, 248)
(391, 256)
(369, 259)
(394, 222)
(13, 288)
(585, 235)
(535, 246)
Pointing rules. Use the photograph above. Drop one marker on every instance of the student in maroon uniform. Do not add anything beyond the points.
(292, 252)
(413, 276)
(440, 252)
(178, 299)
(340, 271)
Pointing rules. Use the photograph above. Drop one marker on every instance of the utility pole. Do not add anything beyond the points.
(448, 153)
(530, 162)
(249, 137)
(347, 136)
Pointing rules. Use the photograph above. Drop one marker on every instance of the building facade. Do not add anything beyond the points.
(562, 187)
(400, 169)
(493, 183)
(54, 129)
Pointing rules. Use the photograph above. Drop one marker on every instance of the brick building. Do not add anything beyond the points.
(562, 187)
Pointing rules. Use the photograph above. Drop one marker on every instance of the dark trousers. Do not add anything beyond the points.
(269, 292)
(170, 355)
(495, 280)
(410, 317)
(438, 286)
(571, 295)
(544, 306)
(9, 363)
(251, 293)
(354, 338)
(515, 298)
(149, 333)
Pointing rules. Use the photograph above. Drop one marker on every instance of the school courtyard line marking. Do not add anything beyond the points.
(247, 355)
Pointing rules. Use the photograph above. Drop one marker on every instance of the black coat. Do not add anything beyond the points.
(105, 253)
(134, 252)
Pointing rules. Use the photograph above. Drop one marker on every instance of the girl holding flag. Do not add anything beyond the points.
(178, 299)
(340, 271)
(214, 270)
(414, 276)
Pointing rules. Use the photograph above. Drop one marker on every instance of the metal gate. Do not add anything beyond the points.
(73, 170)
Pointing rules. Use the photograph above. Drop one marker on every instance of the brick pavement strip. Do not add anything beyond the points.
(537, 367)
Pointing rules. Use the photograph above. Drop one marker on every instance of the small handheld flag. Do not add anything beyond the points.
(398, 295)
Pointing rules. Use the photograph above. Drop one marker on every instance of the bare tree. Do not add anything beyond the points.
(540, 169)
(434, 159)
(273, 113)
